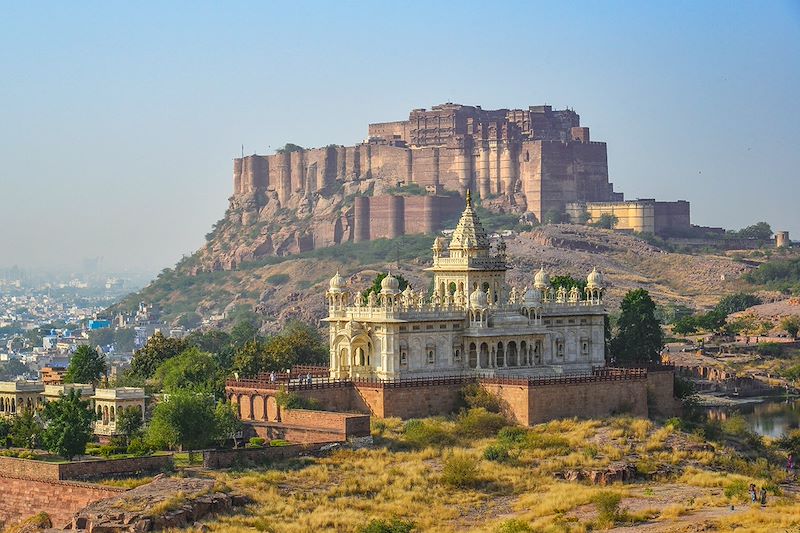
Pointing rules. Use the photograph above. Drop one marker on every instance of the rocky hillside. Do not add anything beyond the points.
(282, 288)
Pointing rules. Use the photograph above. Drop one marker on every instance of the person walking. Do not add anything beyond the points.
(763, 497)
(753, 495)
(790, 464)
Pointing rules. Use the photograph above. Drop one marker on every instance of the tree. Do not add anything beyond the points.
(5, 430)
(791, 324)
(26, 429)
(733, 303)
(87, 365)
(712, 321)
(193, 370)
(156, 350)
(227, 424)
(554, 216)
(129, 422)
(183, 421)
(297, 344)
(376, 284)
(685, 326)
(759, 230)
(567, 282)
(606, 221)
(11, 369)
(68, 425)
(639, 338)
(243, 332)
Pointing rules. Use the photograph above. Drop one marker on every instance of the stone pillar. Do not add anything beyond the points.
(506, 170)
(284, 178)
(237, 176)
(463, 163)
(361, 219)
(483, 171)
(494, 167)
(396, 216)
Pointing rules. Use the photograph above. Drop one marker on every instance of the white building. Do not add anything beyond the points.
(472, 323)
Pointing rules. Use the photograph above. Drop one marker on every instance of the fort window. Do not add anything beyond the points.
(452, 287)
(559, 321)
(527, 156)
(560, 348)
(428, 326)
(547, 322)
(403, 358)
(442, 326)
(431, 356)
(415, 328)
(584, 346)
(457, 356)
(583, 321)
(570, 321)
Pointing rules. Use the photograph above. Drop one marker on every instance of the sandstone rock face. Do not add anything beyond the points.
(165, 503)
(615, 473)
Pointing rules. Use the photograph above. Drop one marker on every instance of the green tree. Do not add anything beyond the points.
(791, 324)
(376, 284)
(129, 422)
(639, 338)
(567, 282)
(606, 221)
(685, 326)
(297, 344)
(759, 230)
(733, 303)
(243, 332)
(26, 429)
(5, 430)
(227, 424)
(183, 421)
(156, 350)
(68, 425)
(11, 369)
(712, 321)
(194, 370)
(87, 365)
(554, 216)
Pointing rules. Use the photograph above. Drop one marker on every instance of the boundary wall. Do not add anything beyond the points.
(44, 471)
(528, 400)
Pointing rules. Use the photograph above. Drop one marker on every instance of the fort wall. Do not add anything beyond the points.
(22, 498)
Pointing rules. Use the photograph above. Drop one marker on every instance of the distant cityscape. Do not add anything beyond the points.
(45, 317)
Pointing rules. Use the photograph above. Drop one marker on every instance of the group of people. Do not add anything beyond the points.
(754, 496)
(302, 379)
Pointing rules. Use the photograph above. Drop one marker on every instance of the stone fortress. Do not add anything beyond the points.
(472, 322)
(533, 160)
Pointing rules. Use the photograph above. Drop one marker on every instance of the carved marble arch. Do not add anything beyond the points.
(500, 359)
(484, 355)
(511, 354)
(473, 355)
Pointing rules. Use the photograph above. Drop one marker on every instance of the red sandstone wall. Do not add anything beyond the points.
(587, 400)
(413, 402)
(21, 498)
(515, 400)
(661, 389)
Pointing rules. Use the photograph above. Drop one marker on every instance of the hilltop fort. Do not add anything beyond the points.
(410, 176)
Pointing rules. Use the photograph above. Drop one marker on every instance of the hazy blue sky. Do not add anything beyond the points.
(119, 121)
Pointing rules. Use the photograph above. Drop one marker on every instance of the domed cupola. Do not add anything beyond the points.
(532, 298)
(390, 285)
(337, 283)
(542, 280)
(478, 299)
(594, 280)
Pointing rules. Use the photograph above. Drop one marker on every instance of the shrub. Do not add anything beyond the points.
(737, 489)
(279, 442)
(496, 452)
(388, 526)
(514, 525)
(138, 447)
(460, 471)
(423, 433)
(607, 504)
(109, 449)
(278, 279)
(473, 396)
(512, 435)
(479, 422)
(545, 441)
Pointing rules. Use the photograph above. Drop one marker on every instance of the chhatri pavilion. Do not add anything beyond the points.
(473, 322)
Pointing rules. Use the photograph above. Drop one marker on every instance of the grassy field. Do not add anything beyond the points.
(468, 473)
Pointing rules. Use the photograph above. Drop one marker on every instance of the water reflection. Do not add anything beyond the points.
(772, 418)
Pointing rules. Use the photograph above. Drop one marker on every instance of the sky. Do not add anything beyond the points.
(119, 121)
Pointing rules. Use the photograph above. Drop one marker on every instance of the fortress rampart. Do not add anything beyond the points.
(543, 157)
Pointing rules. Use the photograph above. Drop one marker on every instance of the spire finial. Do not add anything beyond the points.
(469, 198)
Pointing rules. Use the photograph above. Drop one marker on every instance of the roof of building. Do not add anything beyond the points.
(469, 233)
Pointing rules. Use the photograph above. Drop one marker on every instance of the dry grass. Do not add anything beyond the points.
(344, 491)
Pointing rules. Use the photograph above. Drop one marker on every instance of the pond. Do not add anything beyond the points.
(773, 417)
